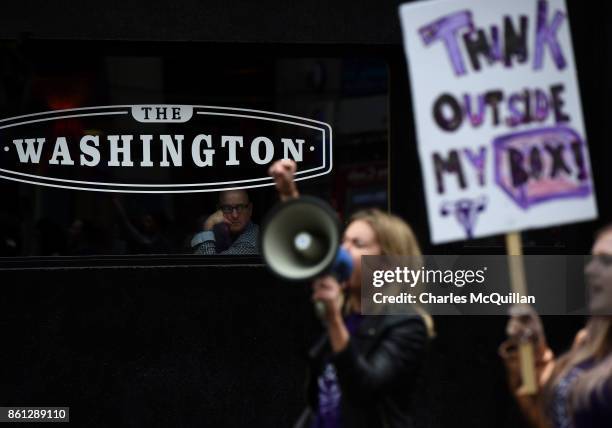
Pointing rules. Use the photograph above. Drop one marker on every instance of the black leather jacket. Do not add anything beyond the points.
(376, 372)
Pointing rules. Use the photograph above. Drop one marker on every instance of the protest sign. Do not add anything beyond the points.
(498, 117)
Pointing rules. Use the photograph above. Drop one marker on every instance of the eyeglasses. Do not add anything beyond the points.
(228, 209)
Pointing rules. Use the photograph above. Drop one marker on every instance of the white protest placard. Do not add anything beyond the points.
(498, 117)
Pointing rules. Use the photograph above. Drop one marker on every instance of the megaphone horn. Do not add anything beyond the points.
(300, 239)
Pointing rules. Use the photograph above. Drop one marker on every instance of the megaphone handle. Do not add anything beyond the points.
(341, 271)
(321, 310)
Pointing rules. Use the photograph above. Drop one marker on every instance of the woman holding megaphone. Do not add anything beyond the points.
(363, 369)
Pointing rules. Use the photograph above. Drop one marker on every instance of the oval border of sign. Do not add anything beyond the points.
(325, 129)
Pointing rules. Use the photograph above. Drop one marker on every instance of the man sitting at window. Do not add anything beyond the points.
(229, 230)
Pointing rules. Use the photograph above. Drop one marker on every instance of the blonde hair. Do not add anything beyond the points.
(395, 238)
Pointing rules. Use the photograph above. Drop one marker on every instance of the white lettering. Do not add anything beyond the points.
(90, 150)
(124, 150)
(232, 141)
(269, 147)
(175, 151)
(289, 146)
(61, 149)
(146, 150)
(31, 153)
(208, 153)
(377, 280)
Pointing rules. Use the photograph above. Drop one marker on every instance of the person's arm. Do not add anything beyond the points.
(214, 219)
(531, 406)
(525, 324)
(327, 291)
(204, 242)
(283, 172)
(398, 353)
(397, 356)
(246, 244)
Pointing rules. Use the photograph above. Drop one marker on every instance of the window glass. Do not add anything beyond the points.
(48, 211)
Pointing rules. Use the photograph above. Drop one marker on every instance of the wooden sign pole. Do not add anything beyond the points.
(514, 249)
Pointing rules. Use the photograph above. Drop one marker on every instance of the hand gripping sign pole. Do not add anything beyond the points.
(518, 284)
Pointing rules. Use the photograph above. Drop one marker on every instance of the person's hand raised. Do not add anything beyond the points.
(525, 324)
(215, 218)
(283, 171)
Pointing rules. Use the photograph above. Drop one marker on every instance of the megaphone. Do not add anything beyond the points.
(300, 240)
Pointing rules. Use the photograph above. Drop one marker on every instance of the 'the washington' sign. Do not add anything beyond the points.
(159, 148)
